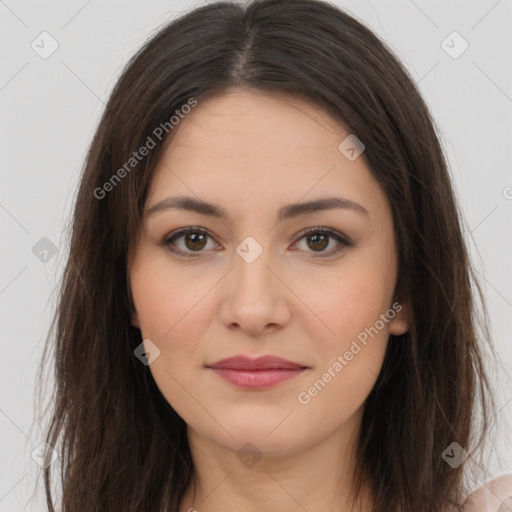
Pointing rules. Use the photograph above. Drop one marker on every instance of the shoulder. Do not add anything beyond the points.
(494, 496)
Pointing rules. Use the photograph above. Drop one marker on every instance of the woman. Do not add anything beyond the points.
(267, 303)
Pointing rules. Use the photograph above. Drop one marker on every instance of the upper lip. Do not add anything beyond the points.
(266, 362)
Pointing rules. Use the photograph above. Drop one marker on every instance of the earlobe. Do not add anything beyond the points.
(400, 323)
(134, 319)
(398, 327)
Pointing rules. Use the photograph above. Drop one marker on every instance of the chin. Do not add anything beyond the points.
(261, 437)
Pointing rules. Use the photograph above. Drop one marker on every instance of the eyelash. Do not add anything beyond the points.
(343, 242)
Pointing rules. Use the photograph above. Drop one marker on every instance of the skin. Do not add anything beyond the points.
(251, 153)
(494, 496)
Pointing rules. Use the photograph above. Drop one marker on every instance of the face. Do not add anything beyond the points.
(246, 278)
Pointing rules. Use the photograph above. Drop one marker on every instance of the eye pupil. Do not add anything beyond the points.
(195, 238)
(323, 239)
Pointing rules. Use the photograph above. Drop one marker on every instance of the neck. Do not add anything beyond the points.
(317, 477)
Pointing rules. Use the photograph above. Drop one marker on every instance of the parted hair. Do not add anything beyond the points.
(122, 446)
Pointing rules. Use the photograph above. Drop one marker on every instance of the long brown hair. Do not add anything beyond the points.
(122, 447)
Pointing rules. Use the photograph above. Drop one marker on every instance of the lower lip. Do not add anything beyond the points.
(257, 379)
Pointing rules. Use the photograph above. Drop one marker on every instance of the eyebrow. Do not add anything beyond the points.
(288, 211)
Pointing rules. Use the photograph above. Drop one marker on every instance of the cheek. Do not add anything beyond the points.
(356, 304)
(350, 360)
(164, 299)
(170, 310)
(352, 299)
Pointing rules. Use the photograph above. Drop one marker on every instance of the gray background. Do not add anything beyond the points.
(50, 108)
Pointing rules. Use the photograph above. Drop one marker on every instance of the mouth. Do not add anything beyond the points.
(259, 373)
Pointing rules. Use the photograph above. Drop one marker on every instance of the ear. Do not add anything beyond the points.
(401, 321)
(134, 319)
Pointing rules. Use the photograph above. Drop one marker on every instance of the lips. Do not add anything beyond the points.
(244, 363)
(259, 373)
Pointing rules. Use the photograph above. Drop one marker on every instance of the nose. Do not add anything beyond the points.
(254, 301)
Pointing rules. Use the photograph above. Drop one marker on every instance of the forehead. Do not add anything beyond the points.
(254, 147)
(249, 120)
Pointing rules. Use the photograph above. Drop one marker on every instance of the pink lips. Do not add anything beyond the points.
(262, 372)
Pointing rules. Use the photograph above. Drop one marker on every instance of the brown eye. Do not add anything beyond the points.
(192, 242)
(187, 241)
(195, 241)
(317, 240)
